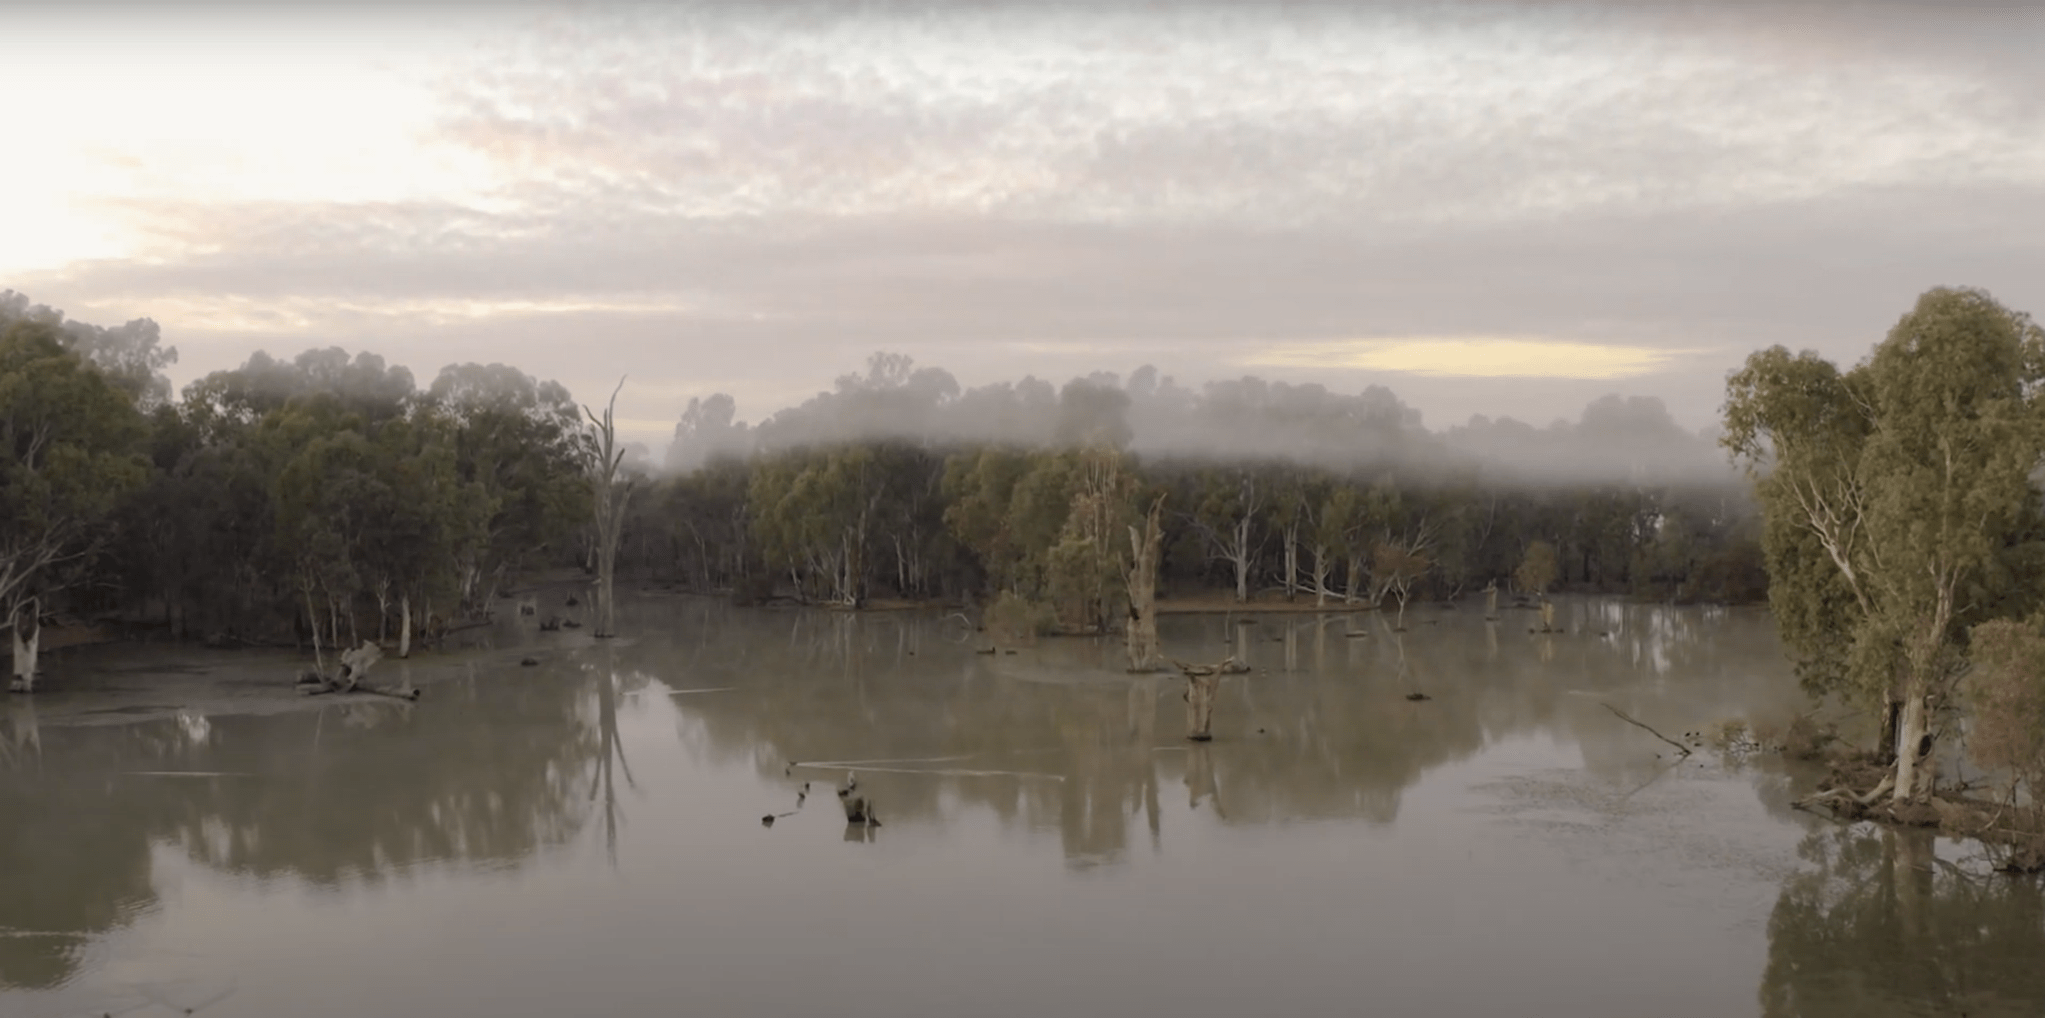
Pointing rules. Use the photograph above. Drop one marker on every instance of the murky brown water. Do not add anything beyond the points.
(585, 837)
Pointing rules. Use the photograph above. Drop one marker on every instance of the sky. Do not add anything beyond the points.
(1505, 207)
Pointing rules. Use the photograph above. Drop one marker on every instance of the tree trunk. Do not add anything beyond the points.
(1321, 570)
(312, 617)
(1145, 546)
(1908, 774)
(26, 649)
(1200, 705)
(1892, 720)
(405, 626)
(1201, 683)
(1291, 560)
(1353, 576)
(1491, 601)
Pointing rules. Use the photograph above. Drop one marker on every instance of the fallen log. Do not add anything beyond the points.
(355, 666)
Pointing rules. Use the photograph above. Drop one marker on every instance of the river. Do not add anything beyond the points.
(585, 836)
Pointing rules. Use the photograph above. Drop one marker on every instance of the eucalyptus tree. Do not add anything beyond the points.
(1331, 533)
(1537, 569)
(70, 443)
(1088, 566)
(1898, 503)
(1231, 499)
(516, 440)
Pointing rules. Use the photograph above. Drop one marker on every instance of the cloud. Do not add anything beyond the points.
(726, 197)
(1476, 357)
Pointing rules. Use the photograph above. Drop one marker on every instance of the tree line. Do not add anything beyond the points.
(899, 485)
(325, 498)
(330, 498)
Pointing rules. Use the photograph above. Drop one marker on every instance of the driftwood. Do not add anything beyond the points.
(1201, 683)
(1623, 716)
(355, 665)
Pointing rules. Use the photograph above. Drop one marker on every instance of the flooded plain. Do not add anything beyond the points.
(587, 835)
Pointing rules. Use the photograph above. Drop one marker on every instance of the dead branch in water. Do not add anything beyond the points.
(1623, 716)
(354, 665)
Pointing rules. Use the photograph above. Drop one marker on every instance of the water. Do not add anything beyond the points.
(585, 836)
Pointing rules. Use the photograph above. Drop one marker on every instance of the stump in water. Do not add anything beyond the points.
(28, 636)
(1201, 683)
(1547, 615)
(858, 809)
(1491, 602)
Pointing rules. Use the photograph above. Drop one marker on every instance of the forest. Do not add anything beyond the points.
(331, 497)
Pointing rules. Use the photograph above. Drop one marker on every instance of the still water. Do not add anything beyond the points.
(585, 836)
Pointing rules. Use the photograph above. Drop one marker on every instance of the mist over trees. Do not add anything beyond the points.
(900, 483)
(331, 498)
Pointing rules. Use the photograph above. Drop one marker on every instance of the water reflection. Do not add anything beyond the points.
(1883, 924)
(348, 793)
(1056, 736)
(1056, 749)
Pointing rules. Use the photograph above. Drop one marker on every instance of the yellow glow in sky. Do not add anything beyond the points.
(196, 110)
(1475, 356)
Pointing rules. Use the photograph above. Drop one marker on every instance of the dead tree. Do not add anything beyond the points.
(28, 635)
(1144, 545)
(355, 666)
(1201, 683)
(858, 808)
(601, 459)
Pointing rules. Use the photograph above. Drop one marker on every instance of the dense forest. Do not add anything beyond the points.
(331, 496)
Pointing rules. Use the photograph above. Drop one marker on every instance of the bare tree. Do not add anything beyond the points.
(601, 458)
(1144, 546)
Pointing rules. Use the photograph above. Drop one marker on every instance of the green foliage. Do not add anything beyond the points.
(1896, 496)
(1537, 569)
(1012, 616)
(2007, 692)
(70, 454)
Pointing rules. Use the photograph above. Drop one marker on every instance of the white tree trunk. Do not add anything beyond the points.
(405, 627)
(1200, 706)
(26, 648)
(1292, 559)
(1908, 774)
(1146, 544)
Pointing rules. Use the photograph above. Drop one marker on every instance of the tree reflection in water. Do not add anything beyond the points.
(1882, 925)
(486, 771)
(495, 768)
(1319, 730)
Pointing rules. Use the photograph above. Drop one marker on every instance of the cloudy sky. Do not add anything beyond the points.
(1490, 207)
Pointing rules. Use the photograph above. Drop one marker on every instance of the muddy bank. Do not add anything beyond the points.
(117, 682)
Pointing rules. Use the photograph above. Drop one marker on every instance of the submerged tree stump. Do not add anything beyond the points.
(858, 808)
(1201, 683)
(27, 628)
